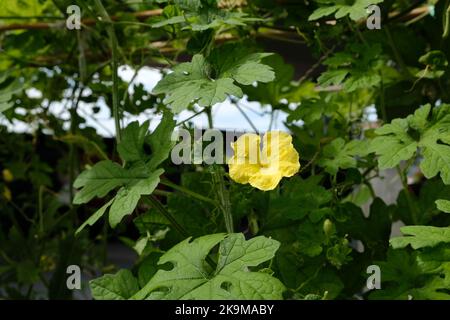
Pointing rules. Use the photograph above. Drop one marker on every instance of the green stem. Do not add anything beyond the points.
(357, 31)
(219, 186)
(210, 118)
(6, 257)
(130, 83)
(397, 55)
(246, 116)
(163, 193)
(446, 20)
(41, 210)
(310, 162)
(371, 190)
(101, 153)
(223, 197)
(154, 202)
(73, 125)
(382, 101)
(190, 118)
(409, 199)
(114, 65)
(188, 192)
(104, 242)
(304, 283)
(271, 120)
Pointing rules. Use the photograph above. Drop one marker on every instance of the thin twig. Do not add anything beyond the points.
(115, 79)
(236, 103)
(154, 202)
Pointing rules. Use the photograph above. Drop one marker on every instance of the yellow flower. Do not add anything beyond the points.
(7, 175)
(263, 168)
(7, 194)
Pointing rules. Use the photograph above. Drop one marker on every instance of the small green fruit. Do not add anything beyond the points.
(328, 227)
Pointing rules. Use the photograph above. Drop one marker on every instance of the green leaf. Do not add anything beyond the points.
(106, 176)
(425, 202)
(128, 197)
(300, 198)
(322, 12)
(7, 90)
(332, 77)
(190, 83)
(207, 82)
(190, 5)
(310, 239)
(273, 92)
(208, 19)
(340, 155)
(418, 275)
(95, 217)
(311, 110)
(435, 59)
(119, 286)
(241, 64)
(443, 205)
(426, 129)
(374, 231)
(148, 267)
(394, 144)
(361, 80)
(215, 19)
(169, 21)
(421, 236)
(160, 141)
(436, 159)
(356, 10)
(135, 136)
(196, 16)
(436, 64)
(130, 147)
(190, 277)
(103, 177)
(357, 67)
(5, 106)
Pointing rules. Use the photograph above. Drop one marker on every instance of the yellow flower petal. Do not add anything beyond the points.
(247, 146)
(241, 173)
(279, 151)
(289, 162)
(274, 142)
(244, 163)
(266, 179)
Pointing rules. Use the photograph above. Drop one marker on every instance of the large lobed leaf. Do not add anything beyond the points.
(191, 277)
(207, 81)
(427, 129)
(421, 236)
(341, 155)
(419, 275)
